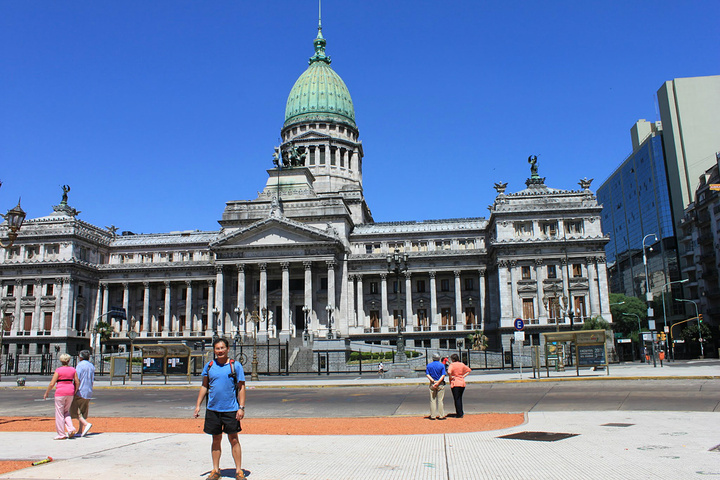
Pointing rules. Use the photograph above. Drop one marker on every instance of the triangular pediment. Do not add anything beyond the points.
(312, 134)
(275, 232)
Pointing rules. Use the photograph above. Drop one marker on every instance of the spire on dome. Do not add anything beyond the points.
(319, 42)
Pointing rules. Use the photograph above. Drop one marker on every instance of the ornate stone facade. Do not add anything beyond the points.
(308, 257)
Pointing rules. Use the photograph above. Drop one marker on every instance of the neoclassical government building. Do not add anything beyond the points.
(308, 259)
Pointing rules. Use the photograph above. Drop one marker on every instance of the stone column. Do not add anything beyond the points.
(593, 295)
(459, 320)
(539, 277)
(285, 266)
(308, 294)
(126, 306)
(37, 321)
(603, 300)
(211, 305)
(106, 299)
(434, 320)
(96, 313)
(331, 282)
(68, 313)
(220, 300)
(361, 321)
(385, 316)
(512, 266)
(241, 294)
(188, 306)
(166, 308)
(146, 308)
(565, 285)
(409, 317)
(503, 273)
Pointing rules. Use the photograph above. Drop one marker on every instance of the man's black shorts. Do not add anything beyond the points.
(219, 422)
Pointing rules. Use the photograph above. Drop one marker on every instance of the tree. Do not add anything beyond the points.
(478, 340)
(626, 324)
(105, 330)
(596, 323)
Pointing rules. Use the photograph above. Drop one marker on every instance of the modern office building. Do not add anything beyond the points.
(645, 197)
(305, 258)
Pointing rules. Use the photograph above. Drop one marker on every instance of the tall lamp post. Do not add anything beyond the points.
(648, 297)
(215, 312)
(329, 309)
(697, 315)
(397, 263)
(255, 319)
(238, 324)
(665, 329)
(306, 314)
(15, 218)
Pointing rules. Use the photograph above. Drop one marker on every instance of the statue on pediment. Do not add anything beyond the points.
(500, 187)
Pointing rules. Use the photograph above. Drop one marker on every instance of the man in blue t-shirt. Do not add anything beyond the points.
(81, 402)
(223, 382)
(435, 372)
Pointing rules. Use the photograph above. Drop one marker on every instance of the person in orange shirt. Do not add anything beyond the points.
(457, 371)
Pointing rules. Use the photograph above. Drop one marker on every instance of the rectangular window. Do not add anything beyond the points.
(374, 319)
(27, 321)
(420, 285)
(580, 309)
(373, 287)
(444, 285)
(446, 316)
(333, 155)
(322, 155)
(469, 316)
(525, 269)
(323, 283)
(10, 290)
(396, 246)
(549, 229)
(312, 156)
(7, 322)
(397, 286)
(29, 289)
(551, 272)
(528, 309)
(397, 317)
(30, 252)
(422, 317)
(577, 270)
(368, 248)
(49, 289)
(47, 321)
(469, 284)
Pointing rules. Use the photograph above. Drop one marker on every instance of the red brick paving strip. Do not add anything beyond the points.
(274, 426)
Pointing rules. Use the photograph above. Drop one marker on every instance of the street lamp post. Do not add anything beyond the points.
(15, 218)
(665, 329)
(306, 314)
(132, 335)
(639, 336)
(216, 312)
(397, 263)
(697, 315)
(329, 309)
(255, 319)
(648, 297)
(238, 312)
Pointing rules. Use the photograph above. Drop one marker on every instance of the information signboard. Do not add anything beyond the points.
(591, 355)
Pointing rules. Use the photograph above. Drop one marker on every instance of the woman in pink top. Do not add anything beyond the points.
(66, 379)
(457, 371)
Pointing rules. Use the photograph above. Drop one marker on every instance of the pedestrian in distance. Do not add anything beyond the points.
(223, 383)
(66, 379)
(435, 373)
(457, 371)
(381, 369)
(81, 402)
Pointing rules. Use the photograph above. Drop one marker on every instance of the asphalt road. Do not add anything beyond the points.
(696, 395)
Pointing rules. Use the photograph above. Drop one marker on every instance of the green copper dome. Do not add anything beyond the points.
(319, 93)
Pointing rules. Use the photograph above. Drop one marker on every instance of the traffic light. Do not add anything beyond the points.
(662, 336)
(700, 317)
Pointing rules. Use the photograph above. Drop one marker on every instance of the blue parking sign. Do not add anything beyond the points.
(519, 324)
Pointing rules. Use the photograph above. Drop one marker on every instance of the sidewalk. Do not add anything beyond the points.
(708, 368)
(605, 445)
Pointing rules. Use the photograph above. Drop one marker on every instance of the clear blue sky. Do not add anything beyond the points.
(158, 112)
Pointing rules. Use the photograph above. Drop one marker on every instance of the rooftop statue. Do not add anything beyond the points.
(65, 189)
(500, 187)
(291, 157)
(585, 183)
(532, 160)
